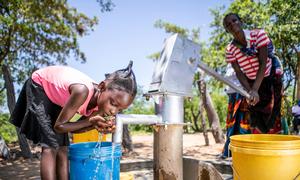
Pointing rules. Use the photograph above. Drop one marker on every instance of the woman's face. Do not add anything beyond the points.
(232, 24)
(112, 101)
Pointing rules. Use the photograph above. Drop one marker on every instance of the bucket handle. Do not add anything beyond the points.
(298, 175)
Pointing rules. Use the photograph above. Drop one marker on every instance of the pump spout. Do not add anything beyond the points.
(133, 119)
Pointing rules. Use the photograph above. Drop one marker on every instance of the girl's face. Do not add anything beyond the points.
(232, 24)
(110, 102)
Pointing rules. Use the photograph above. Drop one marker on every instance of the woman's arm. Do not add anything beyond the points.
(262, 59)
(241, 76)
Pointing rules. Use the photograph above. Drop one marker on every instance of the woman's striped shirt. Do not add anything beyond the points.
(249, 64)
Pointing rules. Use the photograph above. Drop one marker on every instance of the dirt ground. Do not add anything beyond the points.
(193, 145)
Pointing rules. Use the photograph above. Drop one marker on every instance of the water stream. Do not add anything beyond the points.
(97, 156)
(99, 160)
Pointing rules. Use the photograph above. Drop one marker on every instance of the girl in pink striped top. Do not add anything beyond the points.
(256, 71)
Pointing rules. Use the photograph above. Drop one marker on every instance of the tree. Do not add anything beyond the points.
(35, 34)
(284, 28)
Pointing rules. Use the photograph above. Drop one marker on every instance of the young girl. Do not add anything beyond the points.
(259, 73)
(53, 95)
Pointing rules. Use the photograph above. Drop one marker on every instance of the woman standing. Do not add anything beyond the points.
(258, 71)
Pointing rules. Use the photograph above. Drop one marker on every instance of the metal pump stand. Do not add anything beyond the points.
(168, 163)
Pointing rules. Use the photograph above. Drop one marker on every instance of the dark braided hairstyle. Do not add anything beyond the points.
(123, 80)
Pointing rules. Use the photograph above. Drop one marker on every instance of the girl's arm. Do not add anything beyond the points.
(241, 76)
(84, 129)
(79, 93)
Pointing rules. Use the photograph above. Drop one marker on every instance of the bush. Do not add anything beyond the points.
(7, 130)
(220, 101)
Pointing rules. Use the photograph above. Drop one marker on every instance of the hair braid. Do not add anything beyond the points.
(123, 80)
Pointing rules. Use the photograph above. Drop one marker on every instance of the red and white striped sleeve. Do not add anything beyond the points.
(262, 39)
(230, 54)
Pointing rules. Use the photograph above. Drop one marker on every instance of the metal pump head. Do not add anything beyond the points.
(174, 71)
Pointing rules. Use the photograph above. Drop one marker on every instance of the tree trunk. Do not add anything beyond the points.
(203, 123)
(210, 111)
(195, 117)
(201, 108)
(11, 102)
(126, 140)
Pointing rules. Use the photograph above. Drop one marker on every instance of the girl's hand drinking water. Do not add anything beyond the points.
(103, 124)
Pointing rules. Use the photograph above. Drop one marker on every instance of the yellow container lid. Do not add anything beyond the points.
(266, 141)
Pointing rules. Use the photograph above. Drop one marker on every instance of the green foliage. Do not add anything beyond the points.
(171, 28)
(288, 103)
(191, 108)
(7, 130)
(154, 56)
(35, 34)
(106, 5)
(284, 29)
(2, 95)
(220, 101)
(39, 33)
(140, 106)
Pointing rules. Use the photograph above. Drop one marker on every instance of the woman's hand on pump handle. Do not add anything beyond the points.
(254, 98)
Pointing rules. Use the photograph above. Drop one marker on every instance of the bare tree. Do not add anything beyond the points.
(212, 115)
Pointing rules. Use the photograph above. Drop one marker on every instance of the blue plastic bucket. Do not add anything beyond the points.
(89, 162)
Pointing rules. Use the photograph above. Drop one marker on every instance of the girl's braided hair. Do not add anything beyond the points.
(123, 80)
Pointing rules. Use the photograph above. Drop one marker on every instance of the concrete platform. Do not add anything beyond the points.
(194, 169)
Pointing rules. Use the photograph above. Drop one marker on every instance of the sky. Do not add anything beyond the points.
(128, 33)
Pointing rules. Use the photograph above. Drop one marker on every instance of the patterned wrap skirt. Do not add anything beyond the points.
(238, 119)
(266, 114)
(35, 115)
(265, 117)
